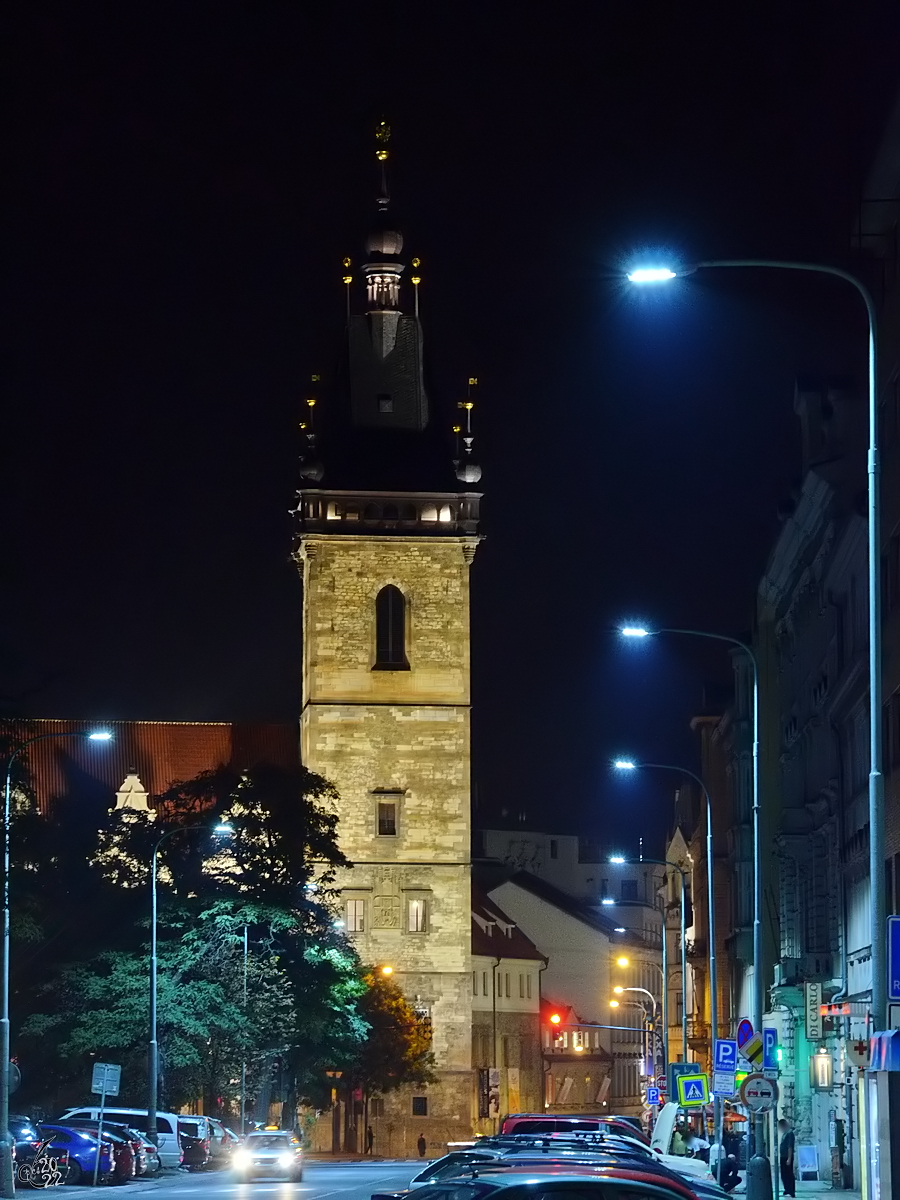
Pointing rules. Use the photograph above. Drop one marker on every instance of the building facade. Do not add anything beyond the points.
(387, 536)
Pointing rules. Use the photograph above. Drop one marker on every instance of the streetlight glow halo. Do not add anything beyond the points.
(651, 275)
(100, 735)
(624, 764)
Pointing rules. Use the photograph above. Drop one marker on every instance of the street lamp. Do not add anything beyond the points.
(623, 764)
(220, 829)
(661, 274)
(623, 961)
(7, 1182)
(618, 859)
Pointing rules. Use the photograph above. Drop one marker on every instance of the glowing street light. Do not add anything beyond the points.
(7, 1184)
(387, 970)
(607, 900)
(617, 858)
(620, 929)
(634, 631)
(624, 764)
(613, 1004)
(618, 990)
(651, 275)
(622, 962)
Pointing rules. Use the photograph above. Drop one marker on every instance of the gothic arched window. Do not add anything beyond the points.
(390, 630)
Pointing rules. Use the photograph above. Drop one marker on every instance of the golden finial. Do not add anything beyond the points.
(473, 382)
(311, 401)
(417, 262)
(382, 137)
(303, 425)
(456, 428)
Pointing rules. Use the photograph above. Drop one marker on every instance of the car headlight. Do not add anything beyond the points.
(285, 1160)
(241, 1158)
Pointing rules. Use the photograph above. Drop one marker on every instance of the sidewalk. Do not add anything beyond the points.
(810, 1191)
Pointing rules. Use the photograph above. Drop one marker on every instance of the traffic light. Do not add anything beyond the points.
(555, 1018)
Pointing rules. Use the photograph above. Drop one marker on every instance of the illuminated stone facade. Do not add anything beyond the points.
(395, 742)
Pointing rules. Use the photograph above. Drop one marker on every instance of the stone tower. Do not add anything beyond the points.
(386, 541)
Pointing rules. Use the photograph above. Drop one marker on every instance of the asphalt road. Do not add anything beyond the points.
(321, 1181)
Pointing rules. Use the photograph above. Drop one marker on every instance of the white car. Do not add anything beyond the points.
(168, 1141)
(661, 1144)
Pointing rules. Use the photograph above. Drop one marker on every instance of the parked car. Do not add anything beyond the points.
(81, 1148)
(586, 1183)
(563, 1123)
(24, 1133)
(269, 1153)
(223, 1143)
(196, 1134)
(38, 1165)
(133, 1137)
(166, 1127)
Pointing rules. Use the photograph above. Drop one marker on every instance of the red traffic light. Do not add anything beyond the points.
(555, 1018)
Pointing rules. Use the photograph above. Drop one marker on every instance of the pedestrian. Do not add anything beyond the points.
(422, 1145)
(726, 1174)
(370, 1139)
(786, 1157)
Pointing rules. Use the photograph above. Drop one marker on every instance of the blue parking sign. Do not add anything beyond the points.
(653, 1095)
(770, 1048)
(726, 1055)
(893, 958)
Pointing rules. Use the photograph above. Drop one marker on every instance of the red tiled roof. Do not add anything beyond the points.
(498, 943)
(160, 752)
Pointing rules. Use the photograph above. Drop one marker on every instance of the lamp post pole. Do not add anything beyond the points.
(7, 1182)
(666, 862)
(153, 1048)
(876, 777)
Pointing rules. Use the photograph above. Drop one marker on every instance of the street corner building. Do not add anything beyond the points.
(388, 529)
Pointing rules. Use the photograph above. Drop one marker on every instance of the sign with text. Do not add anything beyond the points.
(105, 1078)
(653, 1095)
(893, 958)
(726, 1055)
(723, 1084)
(813, 992)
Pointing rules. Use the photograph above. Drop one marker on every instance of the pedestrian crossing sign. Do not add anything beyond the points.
(693, 1089)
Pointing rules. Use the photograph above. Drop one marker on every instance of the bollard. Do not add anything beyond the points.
(759, 1179)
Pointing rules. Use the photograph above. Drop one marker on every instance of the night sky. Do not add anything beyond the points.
(185, 180)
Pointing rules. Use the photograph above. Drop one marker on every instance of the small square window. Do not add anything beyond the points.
(356, 916)
(420, 1106)
(387, 818)
(417, 915)
(385, 402)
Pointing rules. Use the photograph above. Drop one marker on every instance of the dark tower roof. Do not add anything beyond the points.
(373, 431)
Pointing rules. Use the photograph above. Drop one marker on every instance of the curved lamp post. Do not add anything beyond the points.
(221, 829)
(623, 962)
(620, 860)
(624, 764)
(651, 275)
(7, 1184)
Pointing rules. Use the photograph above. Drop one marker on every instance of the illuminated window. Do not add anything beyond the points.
(390, 630)
(416, 916)
(356, 916)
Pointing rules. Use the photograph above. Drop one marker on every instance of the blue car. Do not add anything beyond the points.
(82, 1149)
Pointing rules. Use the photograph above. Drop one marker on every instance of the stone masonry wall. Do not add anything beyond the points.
(404, 736)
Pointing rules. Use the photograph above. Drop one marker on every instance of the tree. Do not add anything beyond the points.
(274, 879)
(397, 1049)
